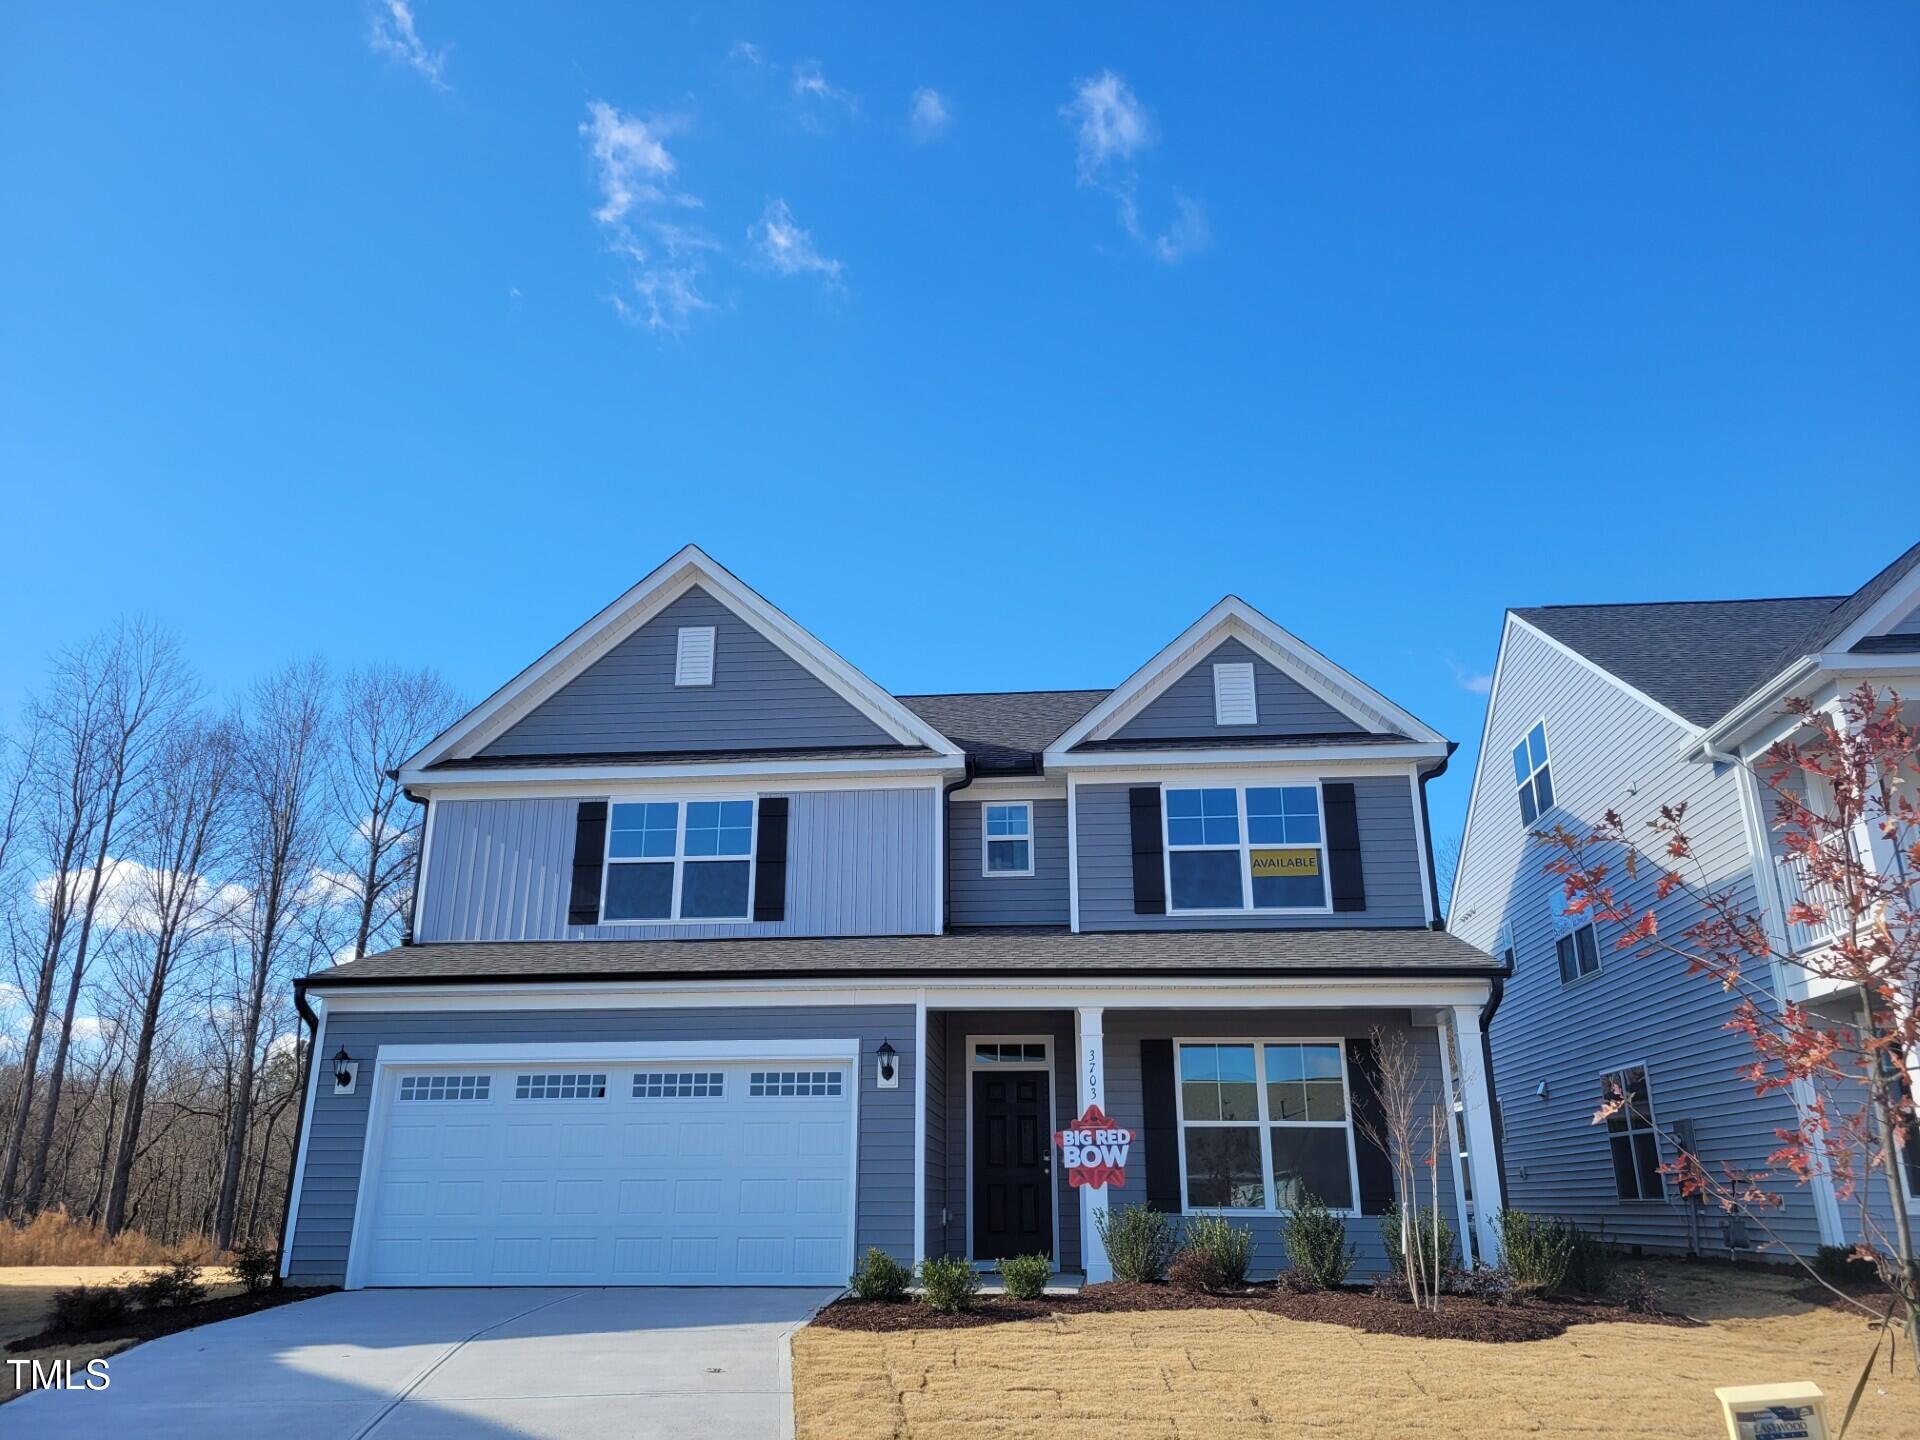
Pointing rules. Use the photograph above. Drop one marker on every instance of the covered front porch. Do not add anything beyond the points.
(1240, 1098)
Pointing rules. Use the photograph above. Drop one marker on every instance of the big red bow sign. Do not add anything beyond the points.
(1094, 1150)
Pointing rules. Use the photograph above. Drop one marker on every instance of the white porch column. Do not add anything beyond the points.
(1090, 1070)
(1443, 1032)
(1476, 1099)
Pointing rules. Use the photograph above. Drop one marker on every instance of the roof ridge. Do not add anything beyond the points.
(1065, 690)
(1636, 604)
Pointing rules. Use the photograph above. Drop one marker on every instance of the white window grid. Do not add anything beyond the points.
(679, 1085)
(1246, 846)
(565, 1085)
(1007, 811)
(1265, 1123)
(680, 859)
(1634, 1127)
(446, 1087)
(793, 1084)
(1010, 1052)
(1533, 773)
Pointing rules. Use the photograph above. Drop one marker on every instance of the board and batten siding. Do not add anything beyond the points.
(859, 862)
(1389, 858)
(1609, 750)
(935, 1180)
(337, 1132)
(1125, 1029)
(1184, 710)
(626, 701)
(1036, 899)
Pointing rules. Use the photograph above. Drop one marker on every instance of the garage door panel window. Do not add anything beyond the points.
(446, 1087)
(564, 1086)
(793, 1084)
(679, 860)
(680, 1085)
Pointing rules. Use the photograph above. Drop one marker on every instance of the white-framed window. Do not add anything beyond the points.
(1533, 775)
(793, 1084)
(1234, 849)
(446, 1087)
(1010, 1052)
(1235, 696)
(693, 655)
(679, 1085)
(678, 860)
(1006, 838)
(567, 1086)
(1578, 952)
(1264, 1122)
(1632, 1136)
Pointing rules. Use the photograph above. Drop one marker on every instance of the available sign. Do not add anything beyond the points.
(1094, 1150)
(1275, 864)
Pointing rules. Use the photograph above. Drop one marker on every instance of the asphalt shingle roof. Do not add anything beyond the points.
(1005, 731)
(1002, 951)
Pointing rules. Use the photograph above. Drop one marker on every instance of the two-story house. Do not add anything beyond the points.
(1628, 708)
(726, 964)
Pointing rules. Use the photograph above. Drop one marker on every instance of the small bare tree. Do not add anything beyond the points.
(1404, 1130)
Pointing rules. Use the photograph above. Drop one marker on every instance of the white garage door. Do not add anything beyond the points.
(690, 1173)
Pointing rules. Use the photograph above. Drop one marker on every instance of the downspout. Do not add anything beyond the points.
(413, 900)
(1426, 829)
(1487, 1012)
(299, 1118)
(946, 849)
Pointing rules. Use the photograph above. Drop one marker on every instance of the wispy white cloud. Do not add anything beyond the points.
(814, 96)
(1469, 679)
(642, 206)
(927, 115)
(1111, 128)
(394, 35)
(747, 53)
(787, 249)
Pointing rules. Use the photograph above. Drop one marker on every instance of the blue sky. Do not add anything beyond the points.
(324, 334)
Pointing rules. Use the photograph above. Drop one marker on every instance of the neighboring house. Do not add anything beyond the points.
(726, 964)
(1628, 708)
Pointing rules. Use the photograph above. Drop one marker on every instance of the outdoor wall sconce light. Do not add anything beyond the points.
(1542, 1091)
(345, 1071)
(889, 1067)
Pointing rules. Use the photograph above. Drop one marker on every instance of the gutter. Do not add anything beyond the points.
(299, 1122)
(946, 842)
(1743, 712)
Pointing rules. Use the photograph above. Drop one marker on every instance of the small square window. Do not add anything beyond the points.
(1007, 838)
(1579, 954)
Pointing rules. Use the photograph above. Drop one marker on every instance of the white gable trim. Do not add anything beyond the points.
(689, 567)
(1882, 614)
(1293, 657)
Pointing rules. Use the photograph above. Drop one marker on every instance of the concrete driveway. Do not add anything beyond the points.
(405, 1364)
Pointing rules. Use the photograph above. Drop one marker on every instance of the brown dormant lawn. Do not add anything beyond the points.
(1224, 1374)
(27, 1290)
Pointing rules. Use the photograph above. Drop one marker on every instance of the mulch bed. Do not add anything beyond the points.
(152, 1324)
(1459, 1317)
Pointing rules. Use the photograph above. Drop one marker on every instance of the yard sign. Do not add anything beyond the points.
(1094, 1150)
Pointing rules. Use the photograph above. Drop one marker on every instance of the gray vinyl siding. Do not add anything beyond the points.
(1389, 859)
(859, 862)
(1124, 1030)
(1609, 750)
(336, 1136)
(1184, 710)
(1036, 899)
(626, 701)
(960, 1025)
(1908, 624)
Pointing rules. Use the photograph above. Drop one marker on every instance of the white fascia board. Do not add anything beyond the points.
(1480, 759)
(1114, 992)
(1760, 706)
(1883, 612)
(687, 568)
(576, 779)
(1387, 758)
(1233, 617)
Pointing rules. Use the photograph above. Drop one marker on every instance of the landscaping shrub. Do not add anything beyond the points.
(54, 1238)
(255, 1265)
(178, 1284)
(1316, 1241)
(1392, 1285)
(1139, 1242)
(949, 1284)
(89, 1307)
(1490, 1283)
(1538, 1249)
(879, 1276)
(1635, 1290)
(1026, 1276)
(1839, 1264)
(1432, 1230)
(1591, 1261)
(1194, 1271)
(1222, 1248)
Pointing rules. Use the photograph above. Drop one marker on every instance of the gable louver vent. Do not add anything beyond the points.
(693, 660)
(1233, 697)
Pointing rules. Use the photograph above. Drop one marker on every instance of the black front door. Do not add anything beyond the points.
(1012, 1167)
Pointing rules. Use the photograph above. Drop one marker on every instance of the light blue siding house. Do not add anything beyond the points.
(726, 964)
(1630, 707)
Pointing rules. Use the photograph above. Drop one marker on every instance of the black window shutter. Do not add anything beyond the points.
(770, 860)
(589, 858)
(1149, 878)
(1369, 1121)
(1343, 846)
(1160, 1126)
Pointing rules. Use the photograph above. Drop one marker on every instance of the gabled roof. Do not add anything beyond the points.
(1005, 731)
(687, 568)
(1234, 617)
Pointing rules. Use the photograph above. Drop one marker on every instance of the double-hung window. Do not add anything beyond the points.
(1265, 1123)
(1532, 774)
(679, 860)
(1258, 847)
(1632, 1136)
(1579, 953)
(1006, 839)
